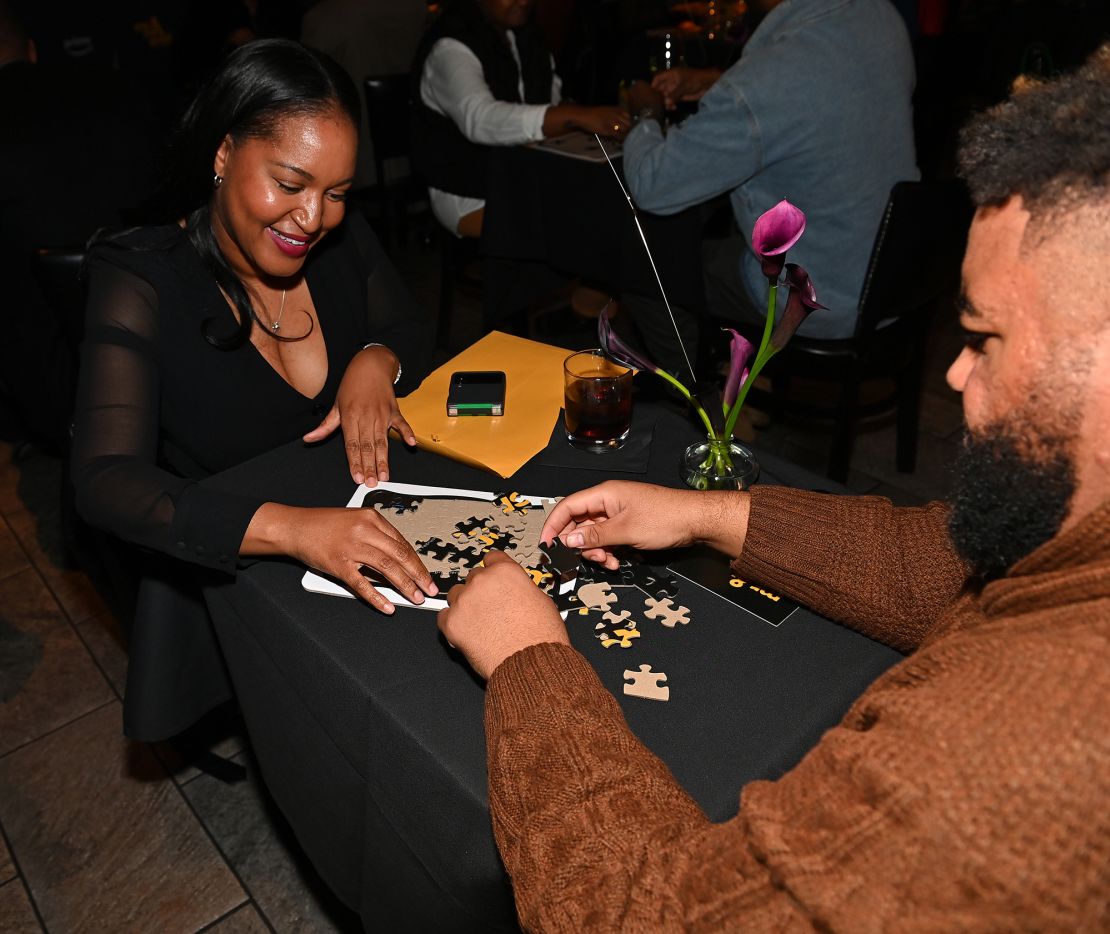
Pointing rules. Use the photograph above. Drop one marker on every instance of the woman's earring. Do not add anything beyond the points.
(217, 181)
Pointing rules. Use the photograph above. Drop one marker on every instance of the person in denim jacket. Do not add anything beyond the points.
(818, 111)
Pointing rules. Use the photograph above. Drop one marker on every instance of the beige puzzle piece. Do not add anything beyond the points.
(646, 683)
(599, 596)
(666, 612)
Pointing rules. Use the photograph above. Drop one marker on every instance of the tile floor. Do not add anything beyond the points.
(101, 834)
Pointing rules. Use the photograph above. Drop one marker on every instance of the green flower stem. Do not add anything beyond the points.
(765, 353)
(702, 414)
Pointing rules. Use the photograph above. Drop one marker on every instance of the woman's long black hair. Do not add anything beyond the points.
(258, 85)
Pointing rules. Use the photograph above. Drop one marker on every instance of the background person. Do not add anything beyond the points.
(484, 77)
(818, 111)
(262, 316)
(906, 812)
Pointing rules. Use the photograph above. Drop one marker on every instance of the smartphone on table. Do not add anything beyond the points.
(476, 392)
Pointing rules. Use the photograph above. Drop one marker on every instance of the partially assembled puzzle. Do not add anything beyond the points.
(452, 530)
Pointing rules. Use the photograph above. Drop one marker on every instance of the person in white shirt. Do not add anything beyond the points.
(484, 77)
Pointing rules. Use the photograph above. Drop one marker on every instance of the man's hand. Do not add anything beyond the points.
(683, 84)
(498, 612)
(647, 517)
(644, 97)
(366, 408)
(604, 120)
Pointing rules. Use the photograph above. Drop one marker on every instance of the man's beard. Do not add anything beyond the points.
(1012, 493)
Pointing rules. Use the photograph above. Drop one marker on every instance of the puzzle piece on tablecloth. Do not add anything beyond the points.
(621, 637)
(620, 619)
(654, 583)
(666, 612)
(596, 595)
(647, 684)
(512, 502)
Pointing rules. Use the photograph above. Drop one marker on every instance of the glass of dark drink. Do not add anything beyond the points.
(597, 406)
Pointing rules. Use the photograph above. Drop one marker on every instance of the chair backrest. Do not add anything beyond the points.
(57, 270)
(918, 250)
(388, 102)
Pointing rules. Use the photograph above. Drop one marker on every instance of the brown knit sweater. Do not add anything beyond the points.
(968, 789)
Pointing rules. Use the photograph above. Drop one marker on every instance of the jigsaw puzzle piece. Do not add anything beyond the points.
(596, 595)
(512, 503)
(647, 684)
(560, 560)
(539, 578)
(621, 637)
(657, 584)
(388, 499)
(666, 612)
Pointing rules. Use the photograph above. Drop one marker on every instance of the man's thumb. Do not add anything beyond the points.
(595, 535)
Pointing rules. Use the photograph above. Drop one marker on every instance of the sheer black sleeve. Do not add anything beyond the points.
(393, 316)
(120, 486)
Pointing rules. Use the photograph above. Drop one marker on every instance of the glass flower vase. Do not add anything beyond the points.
(715, 464)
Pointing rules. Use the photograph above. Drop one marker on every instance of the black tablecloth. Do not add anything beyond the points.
(571, 215)
(369, 730)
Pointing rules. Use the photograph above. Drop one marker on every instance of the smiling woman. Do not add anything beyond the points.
(259, 313)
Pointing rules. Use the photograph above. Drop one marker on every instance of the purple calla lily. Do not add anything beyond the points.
(618, 350)
(775, 232)
(741, 350)
(799, 303)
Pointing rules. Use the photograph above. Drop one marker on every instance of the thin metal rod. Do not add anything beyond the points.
(651, 259)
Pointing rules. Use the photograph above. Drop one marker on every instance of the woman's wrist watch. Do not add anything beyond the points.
(397, 378)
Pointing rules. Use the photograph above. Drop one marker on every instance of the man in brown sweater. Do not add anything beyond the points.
(969, 787)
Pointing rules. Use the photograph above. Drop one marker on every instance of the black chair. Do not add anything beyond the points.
(388, 108)
(915, 260)
(57, 272)
(388, 114)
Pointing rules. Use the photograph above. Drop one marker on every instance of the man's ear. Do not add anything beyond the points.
(219, 166)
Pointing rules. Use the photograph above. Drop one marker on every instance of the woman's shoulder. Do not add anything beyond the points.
(142, 250)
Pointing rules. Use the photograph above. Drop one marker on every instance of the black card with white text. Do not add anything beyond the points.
(710, 569)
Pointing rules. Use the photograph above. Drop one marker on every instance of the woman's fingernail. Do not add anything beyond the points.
(576, 540)
(432, 589)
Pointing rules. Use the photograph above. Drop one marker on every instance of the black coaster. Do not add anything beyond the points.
(632, 458)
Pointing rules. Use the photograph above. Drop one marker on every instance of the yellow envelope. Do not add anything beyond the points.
(503, 444)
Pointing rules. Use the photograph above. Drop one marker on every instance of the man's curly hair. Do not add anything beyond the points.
(1049, 142)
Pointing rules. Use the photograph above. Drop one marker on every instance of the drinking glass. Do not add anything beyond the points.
(597, 404)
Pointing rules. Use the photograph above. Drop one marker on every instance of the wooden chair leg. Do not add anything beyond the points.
(841, 455)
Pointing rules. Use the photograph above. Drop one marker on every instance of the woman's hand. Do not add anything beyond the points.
(498, 612)
(366, 408)
(338, 542)
(646, 517)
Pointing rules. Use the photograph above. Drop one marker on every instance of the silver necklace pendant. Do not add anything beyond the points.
(275, 327)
